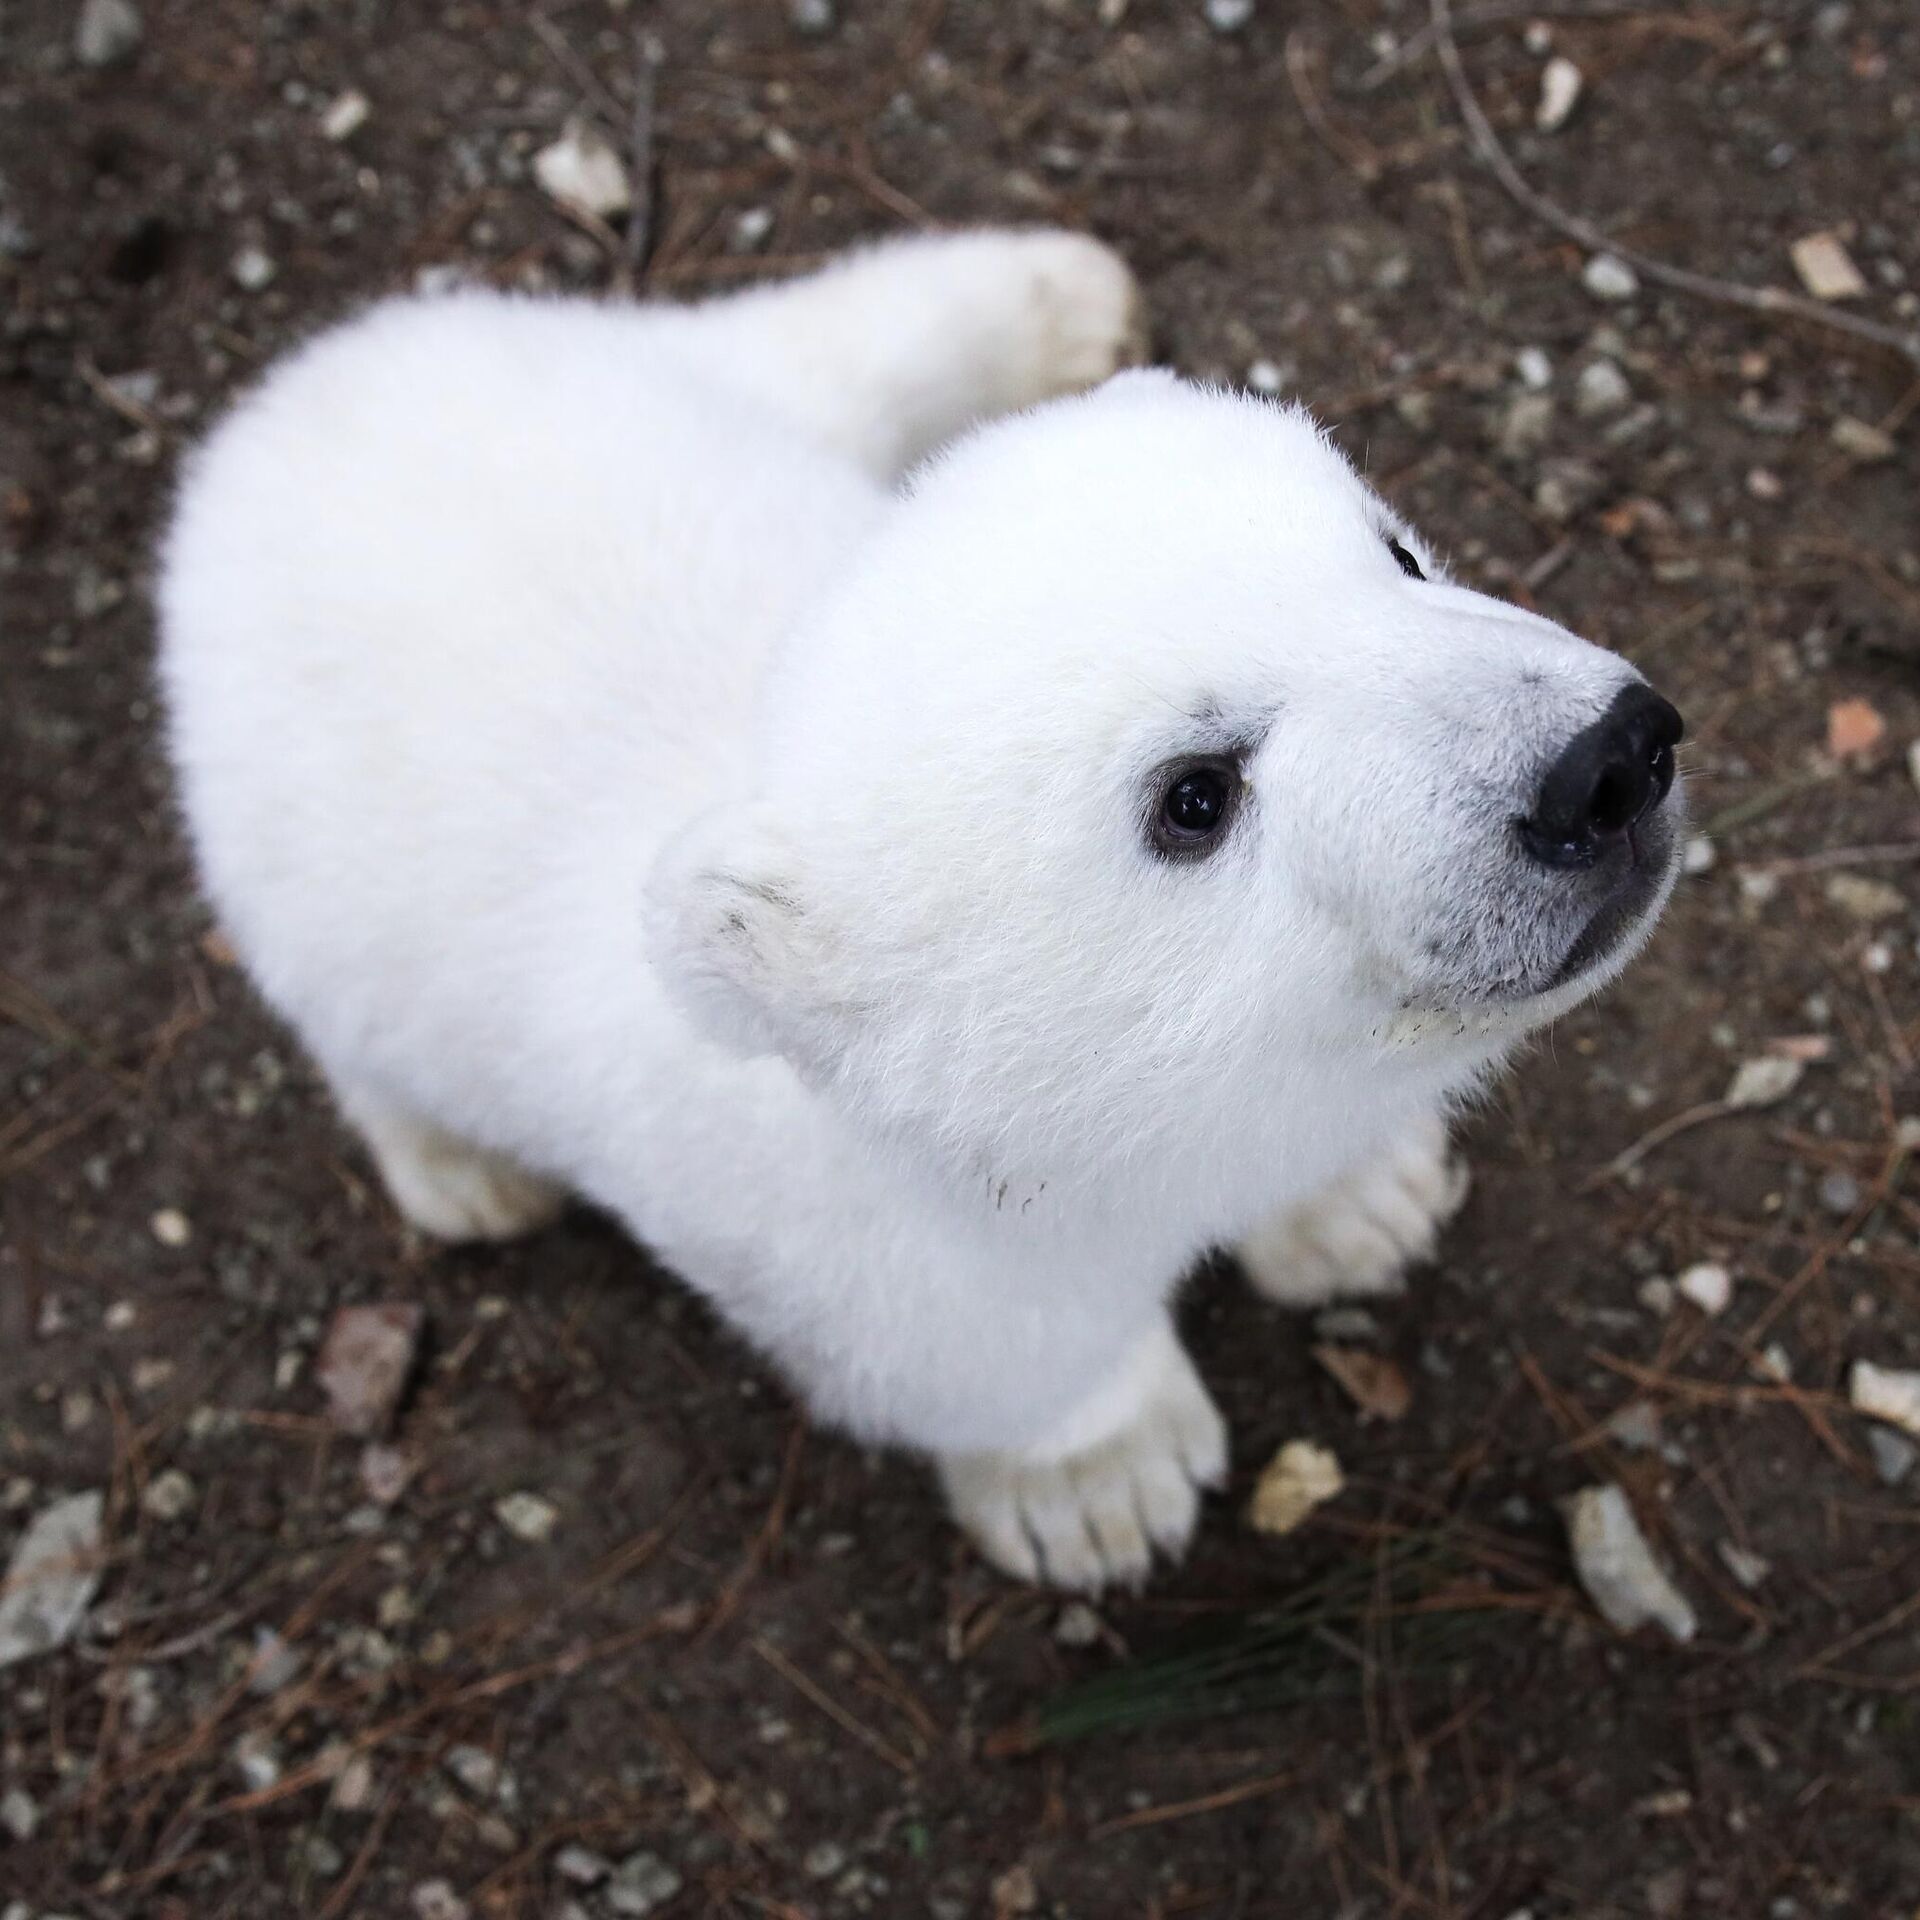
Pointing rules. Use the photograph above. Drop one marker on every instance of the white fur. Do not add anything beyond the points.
(623, 788)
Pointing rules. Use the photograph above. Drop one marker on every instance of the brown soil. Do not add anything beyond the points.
(751, 1650)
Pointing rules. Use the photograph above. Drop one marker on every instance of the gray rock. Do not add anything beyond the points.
(1839, 1192)
(641, 1882)
(19, 1813)
(52, 1577)
(1893, 1454)
(1602, 388)
(812, 17)
(1525, 425)
(107, 33)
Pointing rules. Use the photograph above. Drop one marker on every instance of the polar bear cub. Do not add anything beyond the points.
(931, 854)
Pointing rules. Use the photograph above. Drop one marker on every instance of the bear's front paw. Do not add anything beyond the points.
(1357, 1237)
(1094, 1518)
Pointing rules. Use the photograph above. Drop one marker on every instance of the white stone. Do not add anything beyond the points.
(1826, 268)
(1229, 16)
(582, 169)
(1700, 854)
(168, 1496)
(1602, 388)
(1891, 1394)
(1299, 1478)
(171, 1227)
(1865, 899)
(1617, 1567)
(1560, 86)
(1608, 277)
(1764, 1081)
(345, 114)
(527, 1515)
(252, 269)
(1709, 1286)
(1535, 368)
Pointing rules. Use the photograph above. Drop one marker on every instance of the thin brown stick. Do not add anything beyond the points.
(831, 1707)
(1630, 1157)
(1772, 302)
(1186, 1809)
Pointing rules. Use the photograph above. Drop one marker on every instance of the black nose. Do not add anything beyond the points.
(1605, 782)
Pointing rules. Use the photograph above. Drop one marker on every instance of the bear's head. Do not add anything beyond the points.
(1147, 801)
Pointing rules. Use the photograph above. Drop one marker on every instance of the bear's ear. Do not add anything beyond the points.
(743, 943)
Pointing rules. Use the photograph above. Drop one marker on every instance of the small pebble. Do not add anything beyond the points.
(1700, 854)
(346, 114)
(1300, 1477)
(1265, 376)
(1893, 1455)
(107, 33)
(1891, 1394)
(258, 1764)
(1077, 1626)
(583, 169)
(1764, 1081)
(1601, 388)
(582, 1866)
(1617, 1567)
(171, 1227)
(1608, 277)
(1228, 16)
(273, 1665)
(1636, 1426)
(750, 229)
(527, 1516)
(1839, 1192)
(1525, 426)
(811, 17)
(253, 269)
(19, 1813)
(823, 1861)
(1535, 368)
(1746, 1567)
(1560, 87)
(436, 1900)
(640, 1883)
(353, 1785)
(1866, 900)
(1861, 442)
(1708, 1285)
(168, 1496)
(1826, 268)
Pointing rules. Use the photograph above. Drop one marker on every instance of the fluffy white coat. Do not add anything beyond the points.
(627, 786)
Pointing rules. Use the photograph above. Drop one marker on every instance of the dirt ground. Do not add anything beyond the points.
(750, 1669)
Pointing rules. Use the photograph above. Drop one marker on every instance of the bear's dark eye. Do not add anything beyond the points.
(1404, 560)
(1196, 802)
